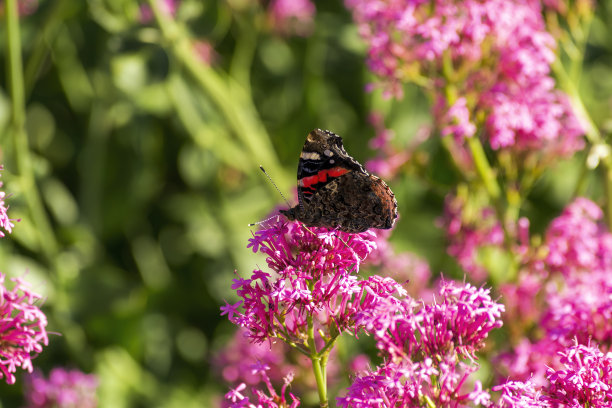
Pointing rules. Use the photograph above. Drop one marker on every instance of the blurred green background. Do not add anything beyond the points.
(145, 137)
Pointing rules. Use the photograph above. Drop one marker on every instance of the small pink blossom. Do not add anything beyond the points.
(168, 7)
(205, 51)
(584, 380)
(456, 121)
(292, 16)
(470, 227)
(23, 330)
(6, 223)
(63, 389)
(237, 397)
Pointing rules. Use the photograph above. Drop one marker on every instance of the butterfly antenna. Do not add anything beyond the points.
(274, 184)
(261, 222)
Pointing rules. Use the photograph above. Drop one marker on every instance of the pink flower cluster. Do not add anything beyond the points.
(585, 380)
(6, 223)
(22, 330)
(494, 54)
(314, 276)
(63, 389)
(570, 295)
(423, 342)
(470, 227)
(271, 399)
(389, 158)
(236, 360)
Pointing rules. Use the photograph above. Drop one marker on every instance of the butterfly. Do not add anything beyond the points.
(336, 192)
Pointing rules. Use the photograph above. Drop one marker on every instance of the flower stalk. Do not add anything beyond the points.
(46, 238)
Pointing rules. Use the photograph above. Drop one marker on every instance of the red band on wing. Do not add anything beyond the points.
(321, 177)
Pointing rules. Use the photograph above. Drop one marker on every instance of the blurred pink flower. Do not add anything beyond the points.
(63, 389)
(577, 240)
(237, 399)
(494, 54)
(456, 121)
(23, 330)
(292, 16)
(235, 363)
(168, 7)
(583, 380)
(6, 223)
(205, 51)
(470, 227)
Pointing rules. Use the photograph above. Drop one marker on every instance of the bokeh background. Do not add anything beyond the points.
(146, 129)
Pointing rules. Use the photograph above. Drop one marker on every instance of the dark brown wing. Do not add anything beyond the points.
(353, 202)
(322, 159)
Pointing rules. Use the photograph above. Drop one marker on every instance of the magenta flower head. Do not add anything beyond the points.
(470, 227)
(423, 346)
(237, 398)
(22, 328)
(494, 54)
(577, 240)
(584, 380)
(63, 389)
(313, 275)
(6, 223)
(457, 323)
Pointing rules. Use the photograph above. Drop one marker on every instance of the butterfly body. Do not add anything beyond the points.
(335, 191)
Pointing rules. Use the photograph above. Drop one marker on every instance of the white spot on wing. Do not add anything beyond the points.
(310, 155)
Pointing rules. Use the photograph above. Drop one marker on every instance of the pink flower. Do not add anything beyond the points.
(585, 380)
(22, 331)
(205, 51)
(495, 56)
(168, 7)
(271, 399)
(470, 227)
(6, 223)
(314, 275)
(423, 346)
(63, 389)
(458, 323)
(577, 241)
(457, 122)
(292, 16)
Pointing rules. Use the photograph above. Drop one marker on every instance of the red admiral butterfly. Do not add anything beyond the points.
(335, 191)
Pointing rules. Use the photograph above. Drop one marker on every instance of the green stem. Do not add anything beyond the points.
(483, 168)
(46, 239)
(15, 68)
(230, 97)
(318, 365)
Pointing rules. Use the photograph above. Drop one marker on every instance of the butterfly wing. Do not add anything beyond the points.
(335, 191)
(323, 159)
(353, 202)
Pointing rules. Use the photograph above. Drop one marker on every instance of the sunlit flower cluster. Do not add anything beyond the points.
(489, 59)
(424, 341)
(23, 331)
(314, 275)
